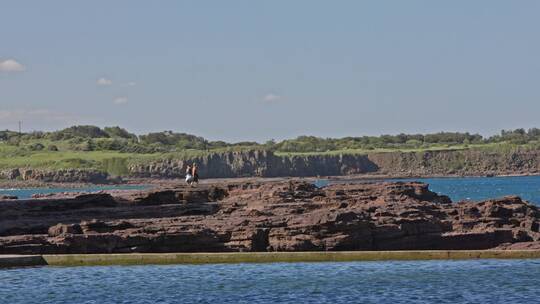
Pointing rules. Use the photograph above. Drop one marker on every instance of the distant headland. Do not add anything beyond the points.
(90, 154)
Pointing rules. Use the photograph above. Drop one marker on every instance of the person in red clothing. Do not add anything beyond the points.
(195, 173)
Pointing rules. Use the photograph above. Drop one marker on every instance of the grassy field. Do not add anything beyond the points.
(17, 157)
(491, 146)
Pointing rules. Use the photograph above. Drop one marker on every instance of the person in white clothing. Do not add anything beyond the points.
(189, 175)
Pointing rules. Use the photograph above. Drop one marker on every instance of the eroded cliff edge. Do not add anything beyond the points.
(426, 163)
(266, 164)
(272, 216)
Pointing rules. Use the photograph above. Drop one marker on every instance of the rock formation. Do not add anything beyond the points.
(427, 163)
(272, 216)
(7, 197)
(57, 176)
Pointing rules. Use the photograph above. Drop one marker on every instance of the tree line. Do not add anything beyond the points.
(93, 138)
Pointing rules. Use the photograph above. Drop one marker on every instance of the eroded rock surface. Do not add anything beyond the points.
(272, 216)
(57, 176)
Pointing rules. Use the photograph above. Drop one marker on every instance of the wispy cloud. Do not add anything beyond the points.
(11, 65)
(130, 84)
(272, 97)
(38, 119)
(104, 81)
(120, 100)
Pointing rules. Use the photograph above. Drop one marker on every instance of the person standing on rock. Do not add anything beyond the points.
(189, 175)
(195, 173)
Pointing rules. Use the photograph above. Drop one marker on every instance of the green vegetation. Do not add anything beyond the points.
(114, 149)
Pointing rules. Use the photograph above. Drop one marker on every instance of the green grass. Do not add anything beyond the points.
(58, 160)
(17, 157)
(379, 150)
(495, 147)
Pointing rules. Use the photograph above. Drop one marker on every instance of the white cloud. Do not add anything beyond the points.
(11, 65)
(271, 97)
(120, 100)
(130, 84)
(104, 81)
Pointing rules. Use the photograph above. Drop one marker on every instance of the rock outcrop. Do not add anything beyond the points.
(271, 216)
(57, 176)
(7, 197)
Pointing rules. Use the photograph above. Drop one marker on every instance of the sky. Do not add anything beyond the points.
(259, 70)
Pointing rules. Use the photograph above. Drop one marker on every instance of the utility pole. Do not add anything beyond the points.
(20, 132)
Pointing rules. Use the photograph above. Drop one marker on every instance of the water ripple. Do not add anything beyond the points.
(479, 281)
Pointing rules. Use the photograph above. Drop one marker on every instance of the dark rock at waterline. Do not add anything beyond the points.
(271, 216)
(7, 197)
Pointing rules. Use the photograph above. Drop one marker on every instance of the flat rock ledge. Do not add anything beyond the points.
(10, 261)
(283, 216)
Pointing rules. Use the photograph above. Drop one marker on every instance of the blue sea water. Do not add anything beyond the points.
(475, 188)
(458, 188)
(27, 193)
(481, 188)
(471, 281)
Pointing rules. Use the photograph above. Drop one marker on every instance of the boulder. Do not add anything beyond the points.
(64, 229)
(8, 197)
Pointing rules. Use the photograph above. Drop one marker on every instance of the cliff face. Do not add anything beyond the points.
(266, 164)
(459, 162)
(56, 176)
(258, 163)
(283, 216)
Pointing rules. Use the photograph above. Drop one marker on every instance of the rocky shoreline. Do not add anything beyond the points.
(256, 216)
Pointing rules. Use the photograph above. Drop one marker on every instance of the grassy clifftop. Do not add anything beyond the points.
(113, 150)
(117, 163)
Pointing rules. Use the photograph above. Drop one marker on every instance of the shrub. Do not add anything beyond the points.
(36, 147)
(86, 132)
(117, 132)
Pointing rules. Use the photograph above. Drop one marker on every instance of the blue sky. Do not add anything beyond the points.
(254, 70)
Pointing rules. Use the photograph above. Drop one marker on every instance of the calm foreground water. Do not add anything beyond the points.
(473, 281)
